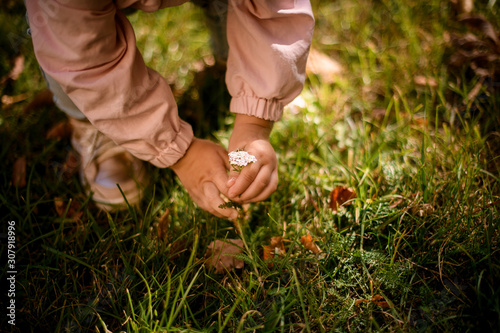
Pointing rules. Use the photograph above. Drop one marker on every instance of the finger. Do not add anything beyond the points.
(262, 187)
(213, 201)
(232, 176)
(220, 178)
(243, 180)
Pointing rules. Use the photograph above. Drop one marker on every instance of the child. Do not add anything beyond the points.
(124, 113)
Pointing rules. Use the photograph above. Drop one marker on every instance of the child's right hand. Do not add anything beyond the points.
(258, 180)
(203, 172)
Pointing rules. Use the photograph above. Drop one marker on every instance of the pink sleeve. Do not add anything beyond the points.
(268, 46)
(89, 48)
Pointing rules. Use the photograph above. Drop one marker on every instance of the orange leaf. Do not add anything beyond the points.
(268, 252)
(19, 172)
(309, 244)
(219, 255)
(61, 130)
(379, 300)
(275, 248)
(339, 196)
(359, 301)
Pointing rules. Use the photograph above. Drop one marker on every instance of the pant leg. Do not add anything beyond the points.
(62, 101)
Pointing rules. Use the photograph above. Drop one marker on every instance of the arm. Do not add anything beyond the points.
(268, 46)
(89, 48)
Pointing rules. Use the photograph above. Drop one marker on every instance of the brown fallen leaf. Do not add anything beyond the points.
(361, 300)
(61, 130)
(475, 91)
(74, 210)
(396, 203)
(19, 172)
(340, 196)
(322, 65)
(16, 70)
(308, 242)
(425, 81)
(9, 100)
(276, 247)
(482, 25)
(380, 301)
(376, 299)
(219, 255)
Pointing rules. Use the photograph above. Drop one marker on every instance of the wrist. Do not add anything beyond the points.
(183, 160)
(249, 126)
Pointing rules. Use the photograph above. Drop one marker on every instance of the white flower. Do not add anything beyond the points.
(240, 158)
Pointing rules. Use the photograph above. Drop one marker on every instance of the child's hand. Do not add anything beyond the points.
(257, 180)
(203, 172)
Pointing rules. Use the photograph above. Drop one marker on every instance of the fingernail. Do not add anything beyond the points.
(231, 181)
(233, 216)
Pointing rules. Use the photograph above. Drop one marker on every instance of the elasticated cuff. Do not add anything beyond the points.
(176, 149)
(268, 109)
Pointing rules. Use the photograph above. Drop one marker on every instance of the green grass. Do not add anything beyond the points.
(422, 232)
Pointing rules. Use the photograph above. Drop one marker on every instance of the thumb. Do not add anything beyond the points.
(220, 179)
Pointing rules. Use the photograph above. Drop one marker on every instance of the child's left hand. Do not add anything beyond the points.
(257, 180)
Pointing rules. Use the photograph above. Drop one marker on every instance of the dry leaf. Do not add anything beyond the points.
(339, 196)
(16, 70)
(309, 244)
(475, 91)
(9, 100)
(396, 203)
(275, 248)
(359, 301)
(379, 300)
(376, 299)
(74, 210)
(322, 65)
(481, 24)
(19, 172)
(219, 255)
(163, 225)
(61, 130)
(421, 80)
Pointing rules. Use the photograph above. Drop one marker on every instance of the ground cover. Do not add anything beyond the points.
(386, 217)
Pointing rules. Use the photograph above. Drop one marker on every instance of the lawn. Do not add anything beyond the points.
(386, 217)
